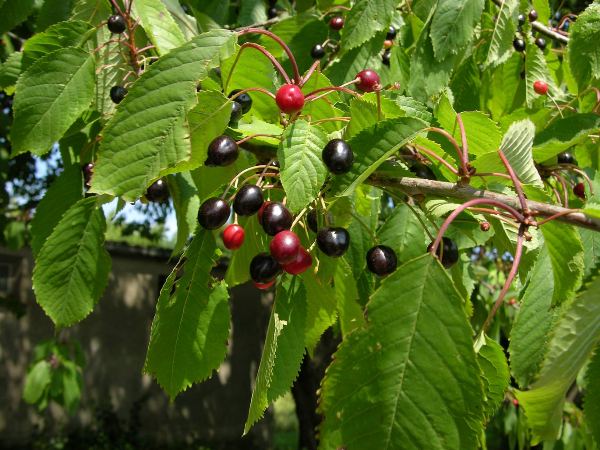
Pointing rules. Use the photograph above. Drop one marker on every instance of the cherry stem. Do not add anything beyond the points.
(563, 185)
(335, 8)
(378, 96)
(298, 217)
(585, 177)
(509, 279)
(493, 174)
(252, 89)
(364, 225)
(265, 52)
(117, 7)
(283, 45)
(310, 71)
(143, 49)
(516, 182)
(490, 211)
(437, 157)
(311, 95)
(332, 119)
(252, 136)
(249, 169)
(463, 138)
(463, 163)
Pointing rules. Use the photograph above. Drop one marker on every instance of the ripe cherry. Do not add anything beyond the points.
(276, 218)
(336, 23)
(88, 171)
(541, 43)
(519, 44)
(311, 219)
(158, 192)
(285, 246)
(264, 286)
(579, 190)
(117, 94)
(213, 213)
(233, 236)
(566, 158)
(261, 210)
(423, 171)
(236, 113)
(337, 156)
(484, 226)
(248, 200)
(333, 241)
(263, 268)
(381, 260)
(289, 98)
(448, 250)
(540, 87)
(368, 80)
(533, 15)
(521, 19)
(222, 151)
(386, 57)
(300, 264)
(244, 100)
(272, 13)
(391, 34)
(116, 24)
(317, 52)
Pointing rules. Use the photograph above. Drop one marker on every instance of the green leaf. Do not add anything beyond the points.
(53, 11)
(403, 232)
(207, 120)
(516, 146)
(251, 12)
(495, 375)
(131, 156)
(50, 96)
(238, 271)
(529, 333)
(283, 350)
(159, 25)
(188, 338)
(115, 64)
(302, 169)
(583, 50)
(10, 70)
(366, 18)
(37, 381)
(374, 145)
(591, 248)
(563, 134)
(591, 405)
(536, 69)
(453, 26)
(320, 308)
(574, 337)
(501, 42)
(12, 13)
(62, 194)
(92, 11)
(350, 312)
(72, 267)
(186, 204)
(566, 254)
(409, 379)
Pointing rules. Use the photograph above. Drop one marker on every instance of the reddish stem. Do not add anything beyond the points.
(308, 74)
(252, 136)
(117, 7)
(463, 163)
(311, 95)
(493, 174)
(555, 216)
(463, 138)
(437, 157)
(252, 89)
(332, 119)
(265, 52)
(516, 182)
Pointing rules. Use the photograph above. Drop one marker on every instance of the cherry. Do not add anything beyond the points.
(263, 268)
(233, 236)
(117, 94)
(386, 57)
(381, 260)
(533, 15)
(261, 210)
(88, 171)
(579, 190)
(519, 45)
(299, 265)
(285, 246)
(264, 286)
(336, 23)
(521, 19)
(566, 158)
(541, 43)
(236, 113)
(289, 98)
(423, 171)
(311, 219)
(484, 226)
(272, 13)
(248, 200)
(338, 156)
(213, 213)
(222, 151)
(333, 241)
(244, 100)
(276, 218)
(391, 34)
(116, 24)
(158, 192)
(368, 80)
(387, 43)
(540, 87)
(317, 52)
(448, 250)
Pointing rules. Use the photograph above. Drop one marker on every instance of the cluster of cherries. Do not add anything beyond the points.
(519, 42)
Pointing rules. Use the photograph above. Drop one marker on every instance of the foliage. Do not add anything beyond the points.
(466, 180)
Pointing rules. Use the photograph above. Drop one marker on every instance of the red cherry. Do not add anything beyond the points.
(233, 236)
(299, 265)
(285, 246)
(368, 80)
(484, 226)
(289, 98)
(579, 190)
(264, 286)
(388, 43)
(515, 402)
(336, 23)
(261, 210)
(540, 87)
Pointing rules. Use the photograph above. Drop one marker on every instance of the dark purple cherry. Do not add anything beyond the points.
(236, 113)
(541, 43)
(333, 241)
(248, 200)
(244, 100)
(338, 156)
(88, 171)
(117, 94)
(264, 268)
(317, 52)
(222, 151)
(391, 34)
(158, 191)
(519, 44)
(276, 218)
(213, 213)
(566, 158)
(116, 24)
(381, 260)
(448, 251)
(423, 171)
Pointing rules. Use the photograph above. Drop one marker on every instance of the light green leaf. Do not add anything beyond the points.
(159, 25)
(92, 11)
(10, 70)
(131, 156)
(302, 169)
(238, 271)
(501, 42)
(72, 267)
(346, 294)
(188, 338)
(207, 120)
(114, 64)
(453, 26)
(13, 12)
(414, 108)
(37, 381)
(517, 147)
(50, 96)
(583, 49)
(409, 379)
(483, 134)
(574, 337)
(62, 194)
(252, 11)
(403, 232)
(374, 145)
(536, 69)
(591, 247)
(366, 18)
(283, 350)
(494, 373)
(563, 134)
(591, 405)
(186, 204)
(320, 308)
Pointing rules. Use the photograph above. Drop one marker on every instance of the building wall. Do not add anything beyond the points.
(114, 338)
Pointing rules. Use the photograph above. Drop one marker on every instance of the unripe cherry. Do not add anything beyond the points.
(540, 87)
